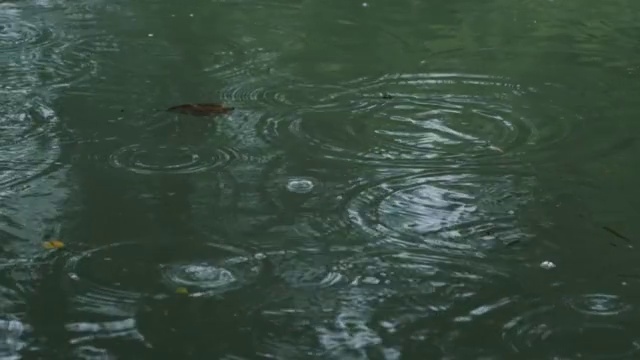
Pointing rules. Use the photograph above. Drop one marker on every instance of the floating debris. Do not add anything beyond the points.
(615, 233)
(182, 291)
(200, 109)
(53, 244)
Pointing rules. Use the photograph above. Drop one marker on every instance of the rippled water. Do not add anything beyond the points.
(397, 180)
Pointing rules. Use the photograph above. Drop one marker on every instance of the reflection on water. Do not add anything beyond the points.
(28, 140)
(389, 183)
(457, 211)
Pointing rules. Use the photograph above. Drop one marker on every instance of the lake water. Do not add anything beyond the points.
(398, 180)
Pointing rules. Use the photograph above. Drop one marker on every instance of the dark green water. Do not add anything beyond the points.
(389, 185)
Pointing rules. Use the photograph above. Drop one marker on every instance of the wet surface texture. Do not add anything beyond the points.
(326, 180)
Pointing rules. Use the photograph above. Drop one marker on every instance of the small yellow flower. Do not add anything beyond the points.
(182, 290)
(53, 244)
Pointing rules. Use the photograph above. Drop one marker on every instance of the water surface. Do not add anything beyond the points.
(398, 180)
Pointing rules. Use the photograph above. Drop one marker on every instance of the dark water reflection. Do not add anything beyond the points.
(388, 187)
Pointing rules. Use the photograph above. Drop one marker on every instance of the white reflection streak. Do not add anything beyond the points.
(349, 332)
(120, 328)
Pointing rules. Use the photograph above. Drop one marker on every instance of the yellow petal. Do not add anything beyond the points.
(182, 290)
(53, 244)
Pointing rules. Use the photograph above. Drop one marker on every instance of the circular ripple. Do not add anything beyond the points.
(599, 304)
(38, 49)
(550, 333)
(254, 91)
(307, 268)
(170, 160)
(295, 95)
(389, 287)
(18, 34)
(230, 269)
(305, 199)
(28, 141)
(462, 212)
(239, 60)
(254, 56)
(305, 191)
(202, 275)
(110, 279)
(405, 118)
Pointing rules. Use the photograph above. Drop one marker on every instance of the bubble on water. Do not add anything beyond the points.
(130, 270)
(547, 265)
(300, 185)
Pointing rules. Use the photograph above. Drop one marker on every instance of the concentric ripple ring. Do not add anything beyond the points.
(402, 119)
(111, 279)
(37, 53)
(28, 140)
(539, 332)
(170, 160)
(458, 212)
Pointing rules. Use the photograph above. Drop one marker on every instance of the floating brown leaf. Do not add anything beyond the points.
(200, 109)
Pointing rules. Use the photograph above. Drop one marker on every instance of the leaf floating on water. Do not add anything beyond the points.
(182, 291)
(200, 109)
(53, 244)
